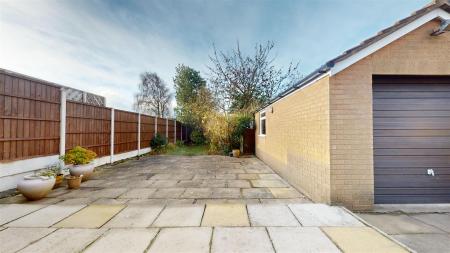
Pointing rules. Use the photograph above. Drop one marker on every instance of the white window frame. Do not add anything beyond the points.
(261, 118)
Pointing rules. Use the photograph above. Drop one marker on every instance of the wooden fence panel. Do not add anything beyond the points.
(179, 131)
(125, 131)
(161, 126)
(171, 133)
(29, 118)
(147, 130)
(88, 126)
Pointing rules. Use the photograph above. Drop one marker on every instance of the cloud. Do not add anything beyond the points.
(103, 46)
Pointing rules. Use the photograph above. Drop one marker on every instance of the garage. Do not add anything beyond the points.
(411, 124)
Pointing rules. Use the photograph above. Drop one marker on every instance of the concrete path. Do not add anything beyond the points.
(423, 228)
(183, 204)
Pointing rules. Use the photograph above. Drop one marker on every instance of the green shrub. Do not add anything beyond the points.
(197, 137)
(158, 141)
(240, 123)
(180, 143)
(78, 156)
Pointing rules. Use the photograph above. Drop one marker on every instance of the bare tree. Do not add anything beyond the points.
(153, 96)
(243, 82)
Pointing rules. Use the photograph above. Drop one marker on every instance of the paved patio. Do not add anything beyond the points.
(184, 204)
(423, 228)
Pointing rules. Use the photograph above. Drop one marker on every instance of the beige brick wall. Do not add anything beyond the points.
(297, 141)
(417, 53)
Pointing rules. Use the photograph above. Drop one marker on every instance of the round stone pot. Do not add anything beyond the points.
(35, 187)
(86, 170)
(236, 153)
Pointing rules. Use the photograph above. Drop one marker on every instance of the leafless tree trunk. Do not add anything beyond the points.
(153, 97)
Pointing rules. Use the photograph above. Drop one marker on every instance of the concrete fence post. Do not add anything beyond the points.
(62, 127)
(112, 136)
(139, 133)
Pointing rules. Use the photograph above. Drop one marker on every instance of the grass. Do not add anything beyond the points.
(189, 150)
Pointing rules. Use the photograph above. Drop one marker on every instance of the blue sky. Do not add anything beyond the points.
(102, 46)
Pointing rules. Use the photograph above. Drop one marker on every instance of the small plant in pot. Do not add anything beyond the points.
(36, 186)
(81, 160)
(59, 175)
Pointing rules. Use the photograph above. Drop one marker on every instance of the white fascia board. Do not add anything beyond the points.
(341, 65)
(312, 81)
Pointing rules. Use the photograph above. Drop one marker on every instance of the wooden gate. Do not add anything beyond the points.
(249, 142)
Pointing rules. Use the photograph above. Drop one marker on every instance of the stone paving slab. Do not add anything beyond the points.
(135, 216)
(270, 176)
(180, 216)
(238, 184)
(256, 193)
(361, 239)
(46, 217)
(161, 201)
(67, 240)
(14, 239)
(164, 193)
(399, 224)
(248, 176)
(93, 216)
(286, 201)
(20, 199)
(197, 193)
(226, 240)
(171, 240)
(441, 221)
(123, 240)
(164, 183)
(10, 212)
(226, 193)
(285, 193)
(271, 215)
(301, 239)
(429, 243)
(316, 215)
(138, 193)
(412, 208)
(269, 183)
(226, 215)
(106, 201)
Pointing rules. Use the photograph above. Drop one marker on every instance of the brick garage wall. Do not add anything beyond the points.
(417, 53)
(296, 144)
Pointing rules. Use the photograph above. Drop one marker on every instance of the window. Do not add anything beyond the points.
(262, 123)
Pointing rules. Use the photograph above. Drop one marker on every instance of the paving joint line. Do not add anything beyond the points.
(378, 230)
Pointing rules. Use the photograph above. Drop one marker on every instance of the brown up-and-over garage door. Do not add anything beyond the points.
(411, 119)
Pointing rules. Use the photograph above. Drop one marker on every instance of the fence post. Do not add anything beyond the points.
(112, 136)
(167, 130)
(139, 133)
(175, 131)
(62, 127)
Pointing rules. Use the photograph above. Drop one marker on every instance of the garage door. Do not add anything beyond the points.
(411, 119)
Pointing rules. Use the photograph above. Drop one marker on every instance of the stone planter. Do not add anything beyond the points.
(86, 170)
(35, 187)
